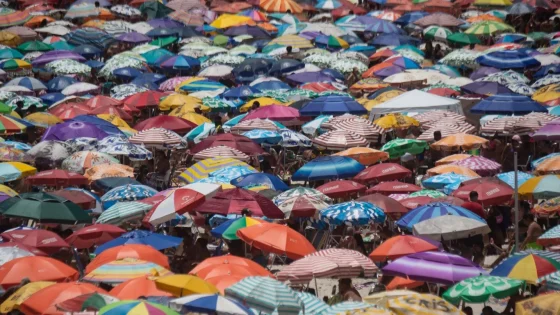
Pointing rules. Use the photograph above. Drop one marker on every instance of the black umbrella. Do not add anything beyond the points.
(284, 66)
(185, 32)
(251, 69)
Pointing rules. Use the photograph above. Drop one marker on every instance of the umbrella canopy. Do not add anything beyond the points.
(157, 241)
(450, 228)
(507, 104)
(400, 246)
(383, 172)
(35, 268)
(209, 303)
(508, 59)
(540, 187)
(138, 251)
(139, 306)
(47, 299)
(57, 178)
(399, 147)
(353, 212)
(234, 141)
(94, 235)
(469, 290)
(533, 267)
(415, 304)
(36, 239)
(235, 200)
(434, 210)
(138, 287)
(332, 105)
(328, 167)
(119, 271)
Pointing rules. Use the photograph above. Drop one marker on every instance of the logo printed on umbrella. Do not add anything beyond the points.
(390, 169)
(492, 191)
(186, 199)
(400, 186)
(49, 240)
(330, 188)
(18, 236)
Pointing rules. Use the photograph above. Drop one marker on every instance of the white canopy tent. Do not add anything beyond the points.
(416, 101)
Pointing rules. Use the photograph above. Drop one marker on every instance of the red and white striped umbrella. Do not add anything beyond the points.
(180, 201)
(303, 206)
(221, 151)
(360, 126)
(252, 124)
(329, 124)
(340, 140)
(530, 124)
(499, 126)
(350, 257)
(481, 165)
(438, 116)
(447, 129)
(156, 137)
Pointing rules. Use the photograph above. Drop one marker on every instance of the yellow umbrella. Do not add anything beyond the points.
(459, 170)
(201, 169)
(548, 94)
(26, 170)
(292, 40)
(458, 141)
(549, 166)
(452, 158)
(229, 20)
(493, 3)
(368, 311)
(366, 156)
(381, 298)
(14, 114)
(369, 84)
(182, 285)
(115, 120)
(9, 39)
(94, 23)
(174, 101)
(422, 304)
(22, 294)
(263, 101)
(195, 118)
(381, 98)
(542, 304)
(43, 119)
(391, 121)
(129, 132)
(8, 191)
(187, 81)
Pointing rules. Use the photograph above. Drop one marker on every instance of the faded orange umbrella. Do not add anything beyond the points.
(109, 170)
(549, 166)
(484, 17)
(137, 287)
(37, 20)
(399, 283)
(137, 251)
(459, 141)
(452, 158)
(35, 268)
(94, 23)
(459, 170)
(278, 239)
(366, 156)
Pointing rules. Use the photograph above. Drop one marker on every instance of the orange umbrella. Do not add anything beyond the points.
(35, 268)
(223, 271)
(268, 27)
(458, 141)
(44, 301)
(278, 239)
(366, 156)
(399, 283)
(452, 158)
(549, 166)
(109, 170)
(37, 20)
(484, 17)
(459, 170)
(400, 246)
(143, 252)
(280, 6)
(137, 287)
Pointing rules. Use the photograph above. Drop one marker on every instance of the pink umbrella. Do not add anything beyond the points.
(275, 112)
(169, 85)
(387, 188)
(341, 188)
(223, 152)
(480, 165)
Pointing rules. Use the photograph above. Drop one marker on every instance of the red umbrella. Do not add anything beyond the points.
(177, 124)
(445, 92)
(35, 268)
(383, 172)
(131, 109)
(274, 112)
(70, 110)
(276, 238)
(388, 188)
(32, 250)
(135, 251)
(80, 198)
(97, 234)
(232, 201)
(144, 99)
(102, 100)
(238, 142)
(57, 178)
(43, 240)
(415, 202)
(389, 205)
(346, 8)
(112, 110)
(341, 188)
(489, 193)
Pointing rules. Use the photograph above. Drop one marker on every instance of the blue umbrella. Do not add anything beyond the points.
(546, 70)
(157, 241)
(10, 53)
(261, 136)
(90, 36)
(157, 78)
(442, 180)
(284, 66)
(153, 57)
(508, 104)
(232, 122)
(306, 77)
(200, 132)
(333, 105)
(333, 73)
(231, 172)
(257, 179)
(270, 85)
(410, 17)
(508, 59)
(87, 51)
(145, 83)
(94, 64)
(353, 212)
(127, 73)
(362, 48)
(100, 123)
(28, 82)
(62, 45)
(58, 84)
(209, 304)
(394, 40)
(106, 184)
(485, 88)
(512, 38)
(127, 193)
(16, 145)
(328, 167)
(251, 69)
(241, 92)
(509, 177)
(448, 70)
(351, 40)
(434, 210)
(383, 26)
(161, 32)
(180, 62)
(165, 23)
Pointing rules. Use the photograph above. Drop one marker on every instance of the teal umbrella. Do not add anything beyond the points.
(154, 9)
(34, 45)
(156, 55)
(62, 45)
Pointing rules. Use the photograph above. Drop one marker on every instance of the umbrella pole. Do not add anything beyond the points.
(316, 287)
(516, 201)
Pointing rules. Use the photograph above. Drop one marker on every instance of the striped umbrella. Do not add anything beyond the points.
(278, 298)
(353, 212)
(280, 6)
(508, 59)
(339, 140)
(261, 136)
(360, 127)
(300, 191)
(81, 10)
(481, 165)
(311, 304)
(488, 28)
(122, 270)
(204, 168)
(541, 187)
(10, 125)
(437, 32)
(156, 138)
(125, 211)
(350, 257)
(10, 17)
(446, 129)
(552, 236)
(434, 210)
(529, 267)
(127, 193)
(343, 307)
(291, 40)
(221, 151)
(201, 85)
(209, 303)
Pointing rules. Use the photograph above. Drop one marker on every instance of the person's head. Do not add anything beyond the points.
(246, 212)
(289, 49)
(24, 281)
(556, 20)
(473, 196)
(97, 4)
(487, 310)
(437, 135)
(516, 140)
(255, 105)
(344, 285)
(197, 110)
(141, 297)
(355, 71)
(289, 11)
(20, 104)
(528, 218)
(468, 310)
(471, 46)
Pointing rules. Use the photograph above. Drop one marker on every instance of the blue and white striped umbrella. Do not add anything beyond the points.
(509, 178)
(83, 144)
(131, 150)
(311, 304)
(16, 145)
(28, 82)
(292, 139)
(124, 211)
(127, 193)
(231, 172)
(353, 212)
(200, 132)
(262, 136)
(536, 162)
(346, 306)
(279, 297)
(328, 5)
(383, 26)
(434, 210)
(440, 181)
(208, 304)
(508, 59)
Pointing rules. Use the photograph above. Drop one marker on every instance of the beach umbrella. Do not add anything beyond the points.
(235, 200)
(203, 168)
(37, 269)
(300, 191)
(156, 138)
(540, 187)
(528, 267)
(440, 181)
(463, 38)
(399, 147)
(131, 306)
(20, 295)
(480, 165)
(533, 305)
(393, 187)
(10, 253)
(509, 178)
(332, 105)
(228, 230)
(383, 172)
(57, 178)
(414, 304)
(107, 184)
(209, 303)
(450, 228)
(508, 59)
(491, 193)
(112, 271)
(127, 193)
(489, 28)
(123, 211)
(341, 188)
(480, 289)
(94, 235)
(434, 210)
(157, 241)
(138, 287)
(260, 179)
(238, 142)
(433, 266)
(457, 141)
(328, 167)
(48, 299)
(137, 251)
(400, 246)
(28, 82)
(353, 212)
(278, 239)
(79, 162)
(34, 240)
(441, 19)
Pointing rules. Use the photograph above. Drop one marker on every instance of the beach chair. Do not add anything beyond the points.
(525, 166)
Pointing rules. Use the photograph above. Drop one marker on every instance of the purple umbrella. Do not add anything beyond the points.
(134, 37)
(550, 131)
(485, 88)
(306, 77)
(56, 55)
(436, 267)
(72, 130)
(309, 35)
(164, 23)
(483, 72)
(389, 71)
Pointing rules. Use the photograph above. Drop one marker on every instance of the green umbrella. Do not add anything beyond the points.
(217, 105)
(220, 40)
(34, 45)
(437, 32)
(163, 41)
(537, 35)
(480, 289)
(4, 108)
(428, 193)
(489, 28)
(43, 207)
(62, 45)
(271, 47)
(155, 9)
(462, 38)
(153, 56)
(398, 147)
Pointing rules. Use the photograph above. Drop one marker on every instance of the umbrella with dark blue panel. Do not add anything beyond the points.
(333, 105)
(180, 63)
(394, 40)
(410, 17)
(251, 69)
(95, 64)
(155, 240)
(507, 104)
(508, 59)
(383, 26)
(362, 48)
(157, 78)
(284, 66)
(257, 179)
(164, 23)
(241, 92)
(90, 36)
(88, 51)
(127, 73)
(328, 167)
(185, 32)
(162, 32)
(254, 31)
(333, 73)
(58, 84)
(267, 84)
(102, 124)
(145, 83)
(546, 70)
(485, 88)
(306, 77)
(51, 98)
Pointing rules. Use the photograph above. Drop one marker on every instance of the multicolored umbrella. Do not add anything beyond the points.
(136, 307)
(127, 193)
(434, 210)
(353, 212)
(123, 270)
(528, 267)
(80, 161)
(540, 187)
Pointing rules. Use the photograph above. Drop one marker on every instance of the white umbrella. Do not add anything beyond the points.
(142, 27)
(80, 88)
(450, 227)
(10, 253)
(54, 30)
(216, 71)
